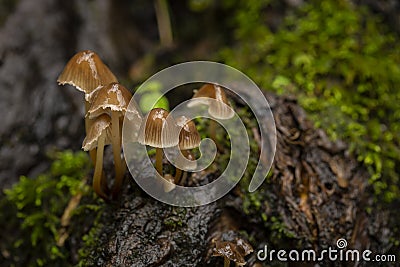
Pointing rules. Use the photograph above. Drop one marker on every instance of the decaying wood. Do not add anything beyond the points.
(317, 190)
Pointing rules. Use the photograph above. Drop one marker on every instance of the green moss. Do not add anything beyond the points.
(32, 211)
(176, 219)
(90, 242)
(344, 67)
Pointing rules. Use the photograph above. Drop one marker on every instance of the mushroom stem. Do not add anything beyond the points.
(159, 157)
(87, 120)
(168, 184)
(88, 123)
(178, 174)
(116, 146)
(183, 179)
(92, 152)
(124, 167)
(98, 171)
(226, 262)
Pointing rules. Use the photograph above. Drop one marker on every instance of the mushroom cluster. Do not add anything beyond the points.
(106, 104)
(159, 130)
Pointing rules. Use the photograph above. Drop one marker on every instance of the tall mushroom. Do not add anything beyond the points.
(98, 136)
(189, 138)
(219, 108)
(158, 130)
(113, 99)
(86, 72)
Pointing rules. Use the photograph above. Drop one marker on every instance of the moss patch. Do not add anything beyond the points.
(32, 211)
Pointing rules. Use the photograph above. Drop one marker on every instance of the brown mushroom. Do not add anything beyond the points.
(98, 136)
(158, 130)
(86, 72)
(113, 99)
(189, 138)
(168, 183)
(219, 109)
(229, 251)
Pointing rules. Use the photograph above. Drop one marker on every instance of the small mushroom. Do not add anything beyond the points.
(86, 72)
(98, 136)
(189, 138)
(113, 99)
(168, 183)
(230, 252)
(219, 109)
(231, 245)
(158, 130)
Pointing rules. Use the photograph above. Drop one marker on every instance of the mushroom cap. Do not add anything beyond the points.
(220, 108)
(158, 129)
(86, 72)
(168, 183)
(113, 97)
(100, 124)
(189, 137)
(228, 250)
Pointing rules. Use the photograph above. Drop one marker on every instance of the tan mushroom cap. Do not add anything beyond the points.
(86, 71)
(111, 97)
(213, 91)
(100, 124)
(158, 129)
(229, 250)
(189, 137)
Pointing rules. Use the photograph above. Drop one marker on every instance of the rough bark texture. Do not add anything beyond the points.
(320, 190)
